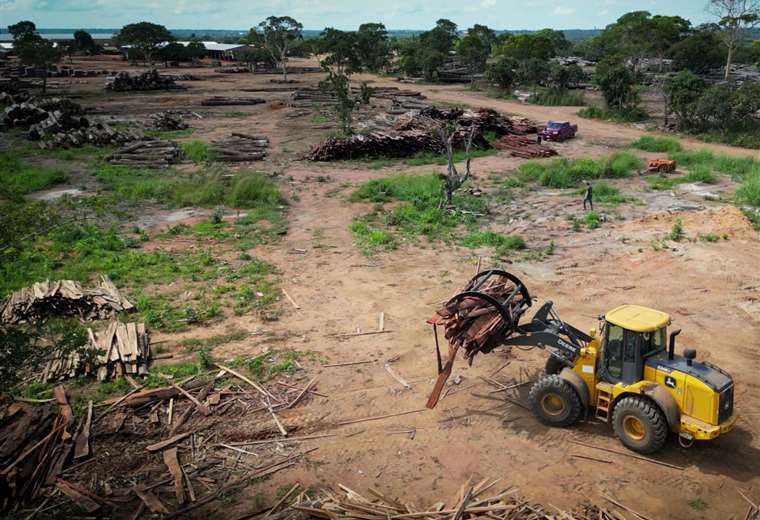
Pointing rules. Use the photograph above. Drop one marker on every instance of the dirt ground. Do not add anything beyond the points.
(710, 289)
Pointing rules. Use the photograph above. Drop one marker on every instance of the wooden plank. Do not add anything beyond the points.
(302, 393)
(158, 446)
(348, 363)
(202, 408)
(291, 300)
(79, 495)
(82, 444)
(397, 377)
(153, 503)
(626, 454)
(240, 376)
(378, 417)
(172, 462)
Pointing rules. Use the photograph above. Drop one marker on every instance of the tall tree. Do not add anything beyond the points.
(682, 92)
(145, 37)
(665, 32)
(475, 47)
(699, 52)
(83, 42)
(735, 16)
(22, 30)
(38, 52)
(341, 48)
(373, 46)
(616, 81)
(281, 34)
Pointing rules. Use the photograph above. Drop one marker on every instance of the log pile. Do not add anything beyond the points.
(482, 500)
(122, 348)
(239, 148)
(149, 80)
(223, 101)
(167, 120)
(30, 112)
(152, 153)
(376, 144)
(36, 444)
(523, 125)
(308, 97)
(63, 298)
(233, 70)
(524, 147)
(414, 133)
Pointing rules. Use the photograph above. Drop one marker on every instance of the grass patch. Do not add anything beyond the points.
(195, 150)
(605, 193)
(18, 178)
(748, 191)
(590, 220)
(232, 114)
(197, 344)
(567, 173)
(427, 158)
(598, 112)
(650, 143)
(743, 138)
(557, 98)
(270, 364)
(502, 244)
(676, 232)
(418, 214)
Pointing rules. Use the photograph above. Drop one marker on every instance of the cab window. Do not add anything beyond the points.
(652, 343)
(614, 351)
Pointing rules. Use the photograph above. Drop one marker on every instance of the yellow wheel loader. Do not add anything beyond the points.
(624, 372)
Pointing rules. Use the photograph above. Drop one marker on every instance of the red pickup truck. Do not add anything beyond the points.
(558, 131)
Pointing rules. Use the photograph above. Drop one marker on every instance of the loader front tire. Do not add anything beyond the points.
(640, 424)
(554, 402)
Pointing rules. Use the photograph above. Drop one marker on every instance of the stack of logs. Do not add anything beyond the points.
(30, 112)
(239, 148)
(482, 500)
(153, 153)
(523, 125)
(168, 120)
(122, 348)
(524, 147)
(308, 97)
(149, 80)
(63, 298)
(223, 101)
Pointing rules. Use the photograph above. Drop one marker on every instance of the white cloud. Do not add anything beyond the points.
(562, 10)
(488, 3)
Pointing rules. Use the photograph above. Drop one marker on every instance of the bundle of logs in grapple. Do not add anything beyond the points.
(474, 323)
(149, 80)
(239, 148)
(482, 500)
(153, 153)
(414, 134)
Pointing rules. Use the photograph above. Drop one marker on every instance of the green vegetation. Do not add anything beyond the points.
(426, 158)
(198, 344)
(605, 193)
(676, 232)
(650, 143)
(195, 150)
(698, 504)
(234, 114)
(18, 178)
(170, 134)
(179, 189)
(503, 244)
(418, 214)
(629, 116)
(556, 98)
(268, 365)
(591, 220)
(567, 173)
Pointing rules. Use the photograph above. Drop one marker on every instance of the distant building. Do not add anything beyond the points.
(214, 50)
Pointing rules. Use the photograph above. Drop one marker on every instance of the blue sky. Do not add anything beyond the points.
(344, 14)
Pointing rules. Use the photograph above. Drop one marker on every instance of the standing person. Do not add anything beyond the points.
(589, 197)
(538, 138)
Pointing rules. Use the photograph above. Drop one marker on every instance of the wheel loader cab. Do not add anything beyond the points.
(632, 334)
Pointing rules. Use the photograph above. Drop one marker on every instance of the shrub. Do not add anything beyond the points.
(400, 187)
(701, 173)
(556, 98)
(502, 243)
(254, 190)
(630, 115)
(651, 143)
(748, 191)
(676, 232)
(567, 173)
(196, 150)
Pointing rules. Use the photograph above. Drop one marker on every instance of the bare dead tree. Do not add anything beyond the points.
(734, 17)
(453, 179)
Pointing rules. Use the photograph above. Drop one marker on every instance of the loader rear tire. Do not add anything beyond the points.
(554, 402)
(640, 424)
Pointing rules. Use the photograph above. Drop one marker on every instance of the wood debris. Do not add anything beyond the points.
(121, 348)
(224, 101)
(153, 153)
(63, 298)
(478, 501)
(167, 120)
(148, 80)
(524, 147)
(239, 148)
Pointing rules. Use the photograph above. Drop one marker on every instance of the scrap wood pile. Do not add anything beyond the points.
(478, 501)
(149, 80)
(474, 324)
(167, 120)
(36, 444)
(239, 148)
(524, 147)
(63, 298)
(122, 348)
(58, 122)
(153, 153)
(414, 133)
(523, 125)
(224, 101)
